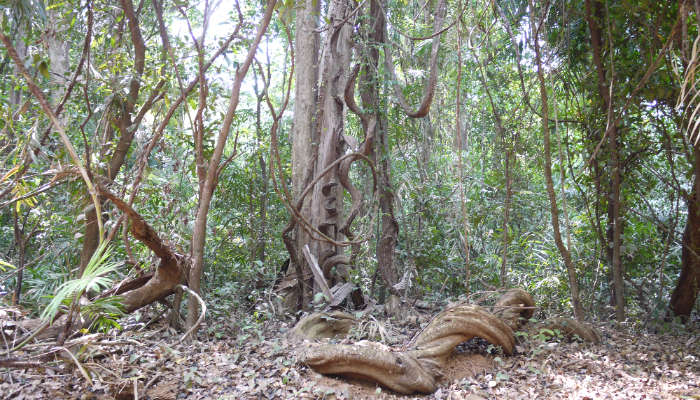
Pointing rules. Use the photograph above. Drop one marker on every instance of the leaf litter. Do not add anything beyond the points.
(261, 363)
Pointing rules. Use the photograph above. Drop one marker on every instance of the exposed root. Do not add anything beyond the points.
(398, 371)
(335, 324)
(417, 369)
(570, 328)
(419, 366)
(515, 307)
(459, 324)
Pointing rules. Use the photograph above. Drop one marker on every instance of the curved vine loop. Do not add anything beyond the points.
(429, 89)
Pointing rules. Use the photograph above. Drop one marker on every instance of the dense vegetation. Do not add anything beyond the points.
(552, 149)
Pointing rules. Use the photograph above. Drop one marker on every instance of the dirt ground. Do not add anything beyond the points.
(260, 363)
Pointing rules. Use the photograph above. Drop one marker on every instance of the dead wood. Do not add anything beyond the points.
(20, 363)
(515, 307)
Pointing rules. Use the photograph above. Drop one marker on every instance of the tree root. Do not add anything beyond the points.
(418, 366)
(569, 328)
(459, 324)
(398, 371)
(321, 325)
(417, 369)
(515, 307)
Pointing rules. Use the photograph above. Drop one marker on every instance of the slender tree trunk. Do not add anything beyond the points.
(506, 217)
(21, 246)
(460, 160)
(386, 244)
(214, 168)
(594, 16)
(262, 213)
(570, 267)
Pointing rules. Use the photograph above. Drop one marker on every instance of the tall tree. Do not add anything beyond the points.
(685, 293)
(304, 135)
(209, 172)
(536, 24)
(595, 17)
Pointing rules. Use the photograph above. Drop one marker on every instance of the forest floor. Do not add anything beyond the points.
(258, 362)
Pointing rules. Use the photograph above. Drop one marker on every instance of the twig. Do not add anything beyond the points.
(18, 363)
(150, 382)
(77, 364)
(27, 340)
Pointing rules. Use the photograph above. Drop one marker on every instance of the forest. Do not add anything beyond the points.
(349, 199)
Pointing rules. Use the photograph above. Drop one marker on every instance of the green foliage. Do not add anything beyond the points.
(4, 265)
(94, 278)
(244, 251)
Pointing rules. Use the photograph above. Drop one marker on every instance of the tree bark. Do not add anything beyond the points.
(686, 291)
(214, 168)
(326, 204)
(570, 267)
(304, 137)
(594, 14)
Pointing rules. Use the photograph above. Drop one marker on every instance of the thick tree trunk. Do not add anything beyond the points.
(303, 139)
(326, 206)
(685, 294)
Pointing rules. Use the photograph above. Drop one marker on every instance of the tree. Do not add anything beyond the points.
(687, 287)
(536, 22)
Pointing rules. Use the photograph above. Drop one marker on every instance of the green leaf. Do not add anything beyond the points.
(93, 278)
(6, 264)
(44, 69)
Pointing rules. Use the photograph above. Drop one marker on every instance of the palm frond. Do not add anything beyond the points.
(95, 277)
(689, 97)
